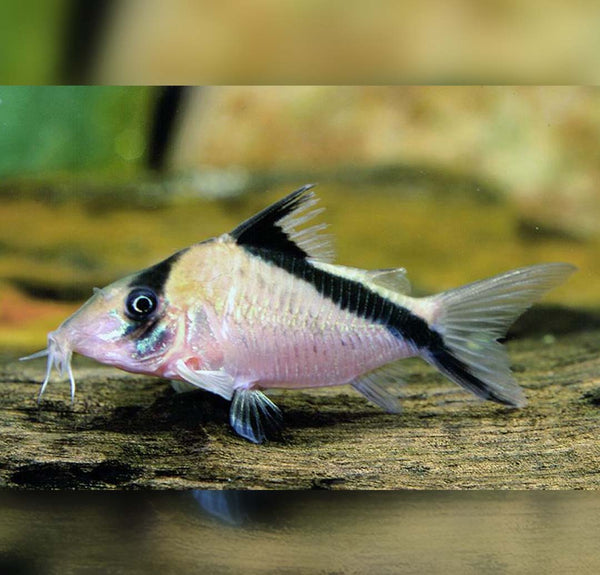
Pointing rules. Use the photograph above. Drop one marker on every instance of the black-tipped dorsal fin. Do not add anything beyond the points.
(274, 228)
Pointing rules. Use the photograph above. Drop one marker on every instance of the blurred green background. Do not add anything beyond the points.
(72, 128)
(453, 183)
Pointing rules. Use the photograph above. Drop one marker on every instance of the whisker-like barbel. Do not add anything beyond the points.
(59, 356)
(41, 353)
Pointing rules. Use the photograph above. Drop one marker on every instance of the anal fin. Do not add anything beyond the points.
(254, 416)
(378, 387)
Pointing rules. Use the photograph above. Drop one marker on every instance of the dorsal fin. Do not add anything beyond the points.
(274, 228)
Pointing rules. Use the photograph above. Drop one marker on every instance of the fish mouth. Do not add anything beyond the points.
(59, 356)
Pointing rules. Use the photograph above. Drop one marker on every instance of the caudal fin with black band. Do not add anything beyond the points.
(472, 318)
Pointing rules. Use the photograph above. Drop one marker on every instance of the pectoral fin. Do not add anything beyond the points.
(254, 416)
(216, 381)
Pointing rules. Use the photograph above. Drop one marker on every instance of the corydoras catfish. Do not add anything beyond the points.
(261, 307)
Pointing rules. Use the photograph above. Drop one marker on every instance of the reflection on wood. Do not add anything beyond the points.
(299, 532)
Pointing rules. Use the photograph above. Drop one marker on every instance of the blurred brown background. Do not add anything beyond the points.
(299, 41)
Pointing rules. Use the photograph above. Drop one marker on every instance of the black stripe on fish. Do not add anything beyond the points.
(153, 339)
(156, 277)
(149, 337)
(356, 298)
(149, 334)
(458, 370)
(142, 330)
(262, 231)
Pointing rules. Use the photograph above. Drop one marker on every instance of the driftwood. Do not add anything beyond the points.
(127, 431)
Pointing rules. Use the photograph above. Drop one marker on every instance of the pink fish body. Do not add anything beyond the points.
(262, 307)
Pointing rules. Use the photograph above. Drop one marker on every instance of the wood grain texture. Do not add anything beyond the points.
(129, 432)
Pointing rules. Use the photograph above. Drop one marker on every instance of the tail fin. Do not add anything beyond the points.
(471, 318)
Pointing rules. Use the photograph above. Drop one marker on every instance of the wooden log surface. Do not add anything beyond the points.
(127, 432)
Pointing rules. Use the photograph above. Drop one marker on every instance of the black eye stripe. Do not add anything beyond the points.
(140, 303)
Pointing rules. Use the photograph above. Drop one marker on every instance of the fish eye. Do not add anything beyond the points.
(141, 302)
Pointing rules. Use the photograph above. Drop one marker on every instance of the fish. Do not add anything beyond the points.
(264, 307)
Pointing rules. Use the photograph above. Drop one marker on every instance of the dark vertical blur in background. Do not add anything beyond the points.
(267, 41)
(169, 101)
(84, 33)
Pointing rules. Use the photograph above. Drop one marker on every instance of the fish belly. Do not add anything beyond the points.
(295, 338)
(320, 359)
